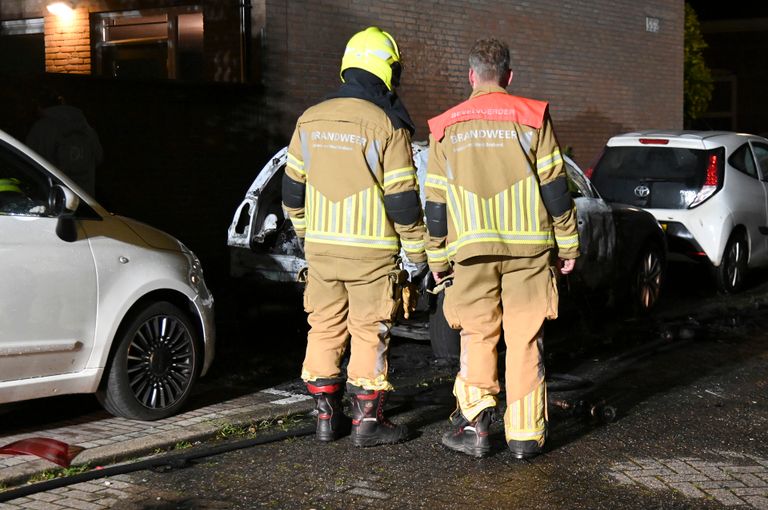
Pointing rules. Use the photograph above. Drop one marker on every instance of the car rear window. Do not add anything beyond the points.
(652, 177)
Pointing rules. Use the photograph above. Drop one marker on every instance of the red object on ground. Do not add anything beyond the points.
(52, 450)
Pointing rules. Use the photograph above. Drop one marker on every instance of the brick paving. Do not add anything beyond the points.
(108, 439)
(729, 478)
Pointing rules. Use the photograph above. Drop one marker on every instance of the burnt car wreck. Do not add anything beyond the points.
(623, 250)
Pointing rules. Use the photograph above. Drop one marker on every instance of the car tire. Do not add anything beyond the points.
(732, 271)
(446, 341)
(647, 278)
(154, 365)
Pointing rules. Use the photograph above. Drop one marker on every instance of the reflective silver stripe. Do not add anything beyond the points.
(472, 211)
(525, 142)
(311, 204)
(549, 161)
(383, 55)
(517, 190)
(503, 210)
(533, 193)
(387, 242)
(488, 213)
(349, 214)
(566, 241)
(458, 221)
(439, 255)
(448, 170)
(364, 228)
(437, 180)
(304, 149)
(412, 245)
(397, 176)
(372, 158)
(333, 216)
(380, 214)
(517, 236)
(323, 216)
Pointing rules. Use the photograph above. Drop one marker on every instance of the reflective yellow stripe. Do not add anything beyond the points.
(472, 400)
(296, 164)
(317, 210)
(413, 246)
(567, 241)
(526, 418)
(384, 243)
(299, 222)
(349, 214)
(380, 383)
(401, 174)
(539, 238)
(487, 215)
(439, 255)
(549, 161)
(436, 181)
(453, 210)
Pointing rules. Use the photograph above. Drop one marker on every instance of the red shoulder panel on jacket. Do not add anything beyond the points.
(493, 106)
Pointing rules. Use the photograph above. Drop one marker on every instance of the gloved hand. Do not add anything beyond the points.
(410, 293)
(418, 273)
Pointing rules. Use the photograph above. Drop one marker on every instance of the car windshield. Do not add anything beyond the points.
(661, 177)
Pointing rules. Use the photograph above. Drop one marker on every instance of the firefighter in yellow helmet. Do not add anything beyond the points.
(11, 195)
(498, 210)
(351, 193)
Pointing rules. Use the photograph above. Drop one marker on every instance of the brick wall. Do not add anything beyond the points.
(596, 64)
(67, 41)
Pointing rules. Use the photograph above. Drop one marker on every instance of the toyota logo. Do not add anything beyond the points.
(642, 191)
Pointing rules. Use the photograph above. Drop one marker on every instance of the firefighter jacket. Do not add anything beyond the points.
(350, 185)
(496, 182)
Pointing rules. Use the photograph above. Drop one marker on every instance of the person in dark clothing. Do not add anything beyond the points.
(63, 136)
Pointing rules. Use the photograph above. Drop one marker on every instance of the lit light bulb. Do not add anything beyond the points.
(63, 10)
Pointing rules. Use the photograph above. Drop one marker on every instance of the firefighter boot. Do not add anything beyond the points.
(524, 449)
(470, 437)
(331, 422)
(369, 426)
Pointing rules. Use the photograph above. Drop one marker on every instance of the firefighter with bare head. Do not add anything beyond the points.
(351, 192)
(501, 219)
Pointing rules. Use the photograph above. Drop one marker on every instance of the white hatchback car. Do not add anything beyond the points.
(708, 189)
(91, 302)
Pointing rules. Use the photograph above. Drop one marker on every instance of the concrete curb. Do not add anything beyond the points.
(143, 447)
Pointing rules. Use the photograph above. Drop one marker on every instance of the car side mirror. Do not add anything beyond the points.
(63, 203)
(63, 200)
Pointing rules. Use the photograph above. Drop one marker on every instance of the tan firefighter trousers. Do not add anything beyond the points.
(346, 298)
(518, 293)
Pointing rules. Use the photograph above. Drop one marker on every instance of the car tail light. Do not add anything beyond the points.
(654, 141)
(588, 172)
(713, 180)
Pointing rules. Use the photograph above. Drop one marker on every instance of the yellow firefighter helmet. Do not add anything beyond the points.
(372, 50)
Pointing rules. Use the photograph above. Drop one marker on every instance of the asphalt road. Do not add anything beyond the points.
(688, 386)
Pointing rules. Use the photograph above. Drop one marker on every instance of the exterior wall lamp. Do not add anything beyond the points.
(62, 9)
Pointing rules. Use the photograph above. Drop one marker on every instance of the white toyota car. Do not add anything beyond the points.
(91, 302)
(708, 190)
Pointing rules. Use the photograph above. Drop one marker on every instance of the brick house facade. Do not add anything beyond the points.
(604, 66)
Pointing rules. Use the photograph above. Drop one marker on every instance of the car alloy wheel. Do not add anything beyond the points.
(733, 269)
(648, 278)
(154, 365)
(160, 361)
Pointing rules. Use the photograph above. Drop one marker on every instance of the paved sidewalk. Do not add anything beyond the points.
(108, 440)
